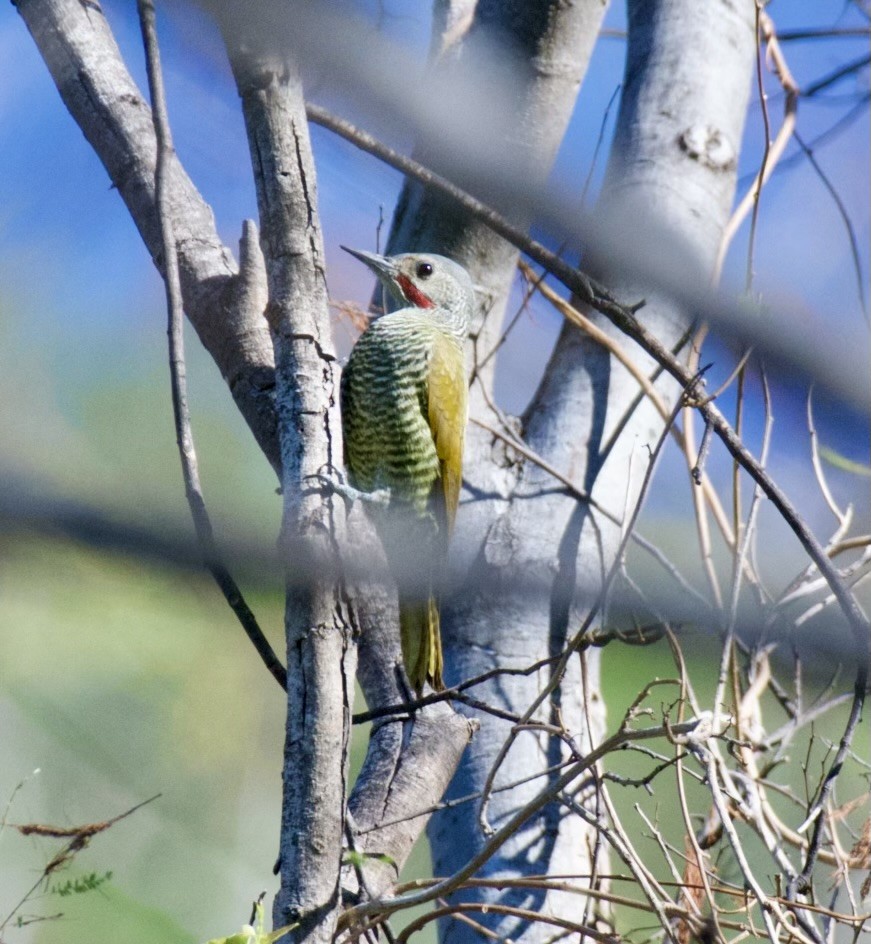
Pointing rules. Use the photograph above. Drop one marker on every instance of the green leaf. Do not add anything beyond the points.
(78, 886)
(358, 859)
(256, 934)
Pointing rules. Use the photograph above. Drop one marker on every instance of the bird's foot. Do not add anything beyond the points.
(330, 485)
(334, 485)
(380, 497)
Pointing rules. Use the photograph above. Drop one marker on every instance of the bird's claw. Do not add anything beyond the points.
(380, 497)
(334, 485)
(326, 483)
(329, 485)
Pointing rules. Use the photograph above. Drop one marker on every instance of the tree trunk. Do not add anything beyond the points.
(544, 47)
(320, 654)
(535, 561)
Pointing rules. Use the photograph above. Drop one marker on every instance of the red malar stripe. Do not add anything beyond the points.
(413, 293)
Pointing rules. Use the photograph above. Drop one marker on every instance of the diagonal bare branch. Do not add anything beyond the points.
(598, 297)
(223, 301)
(177, 368)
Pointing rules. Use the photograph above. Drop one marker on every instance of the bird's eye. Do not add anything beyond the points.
(424, 270)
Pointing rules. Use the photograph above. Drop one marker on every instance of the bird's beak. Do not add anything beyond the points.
(383, 267)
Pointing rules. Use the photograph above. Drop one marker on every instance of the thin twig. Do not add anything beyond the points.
(177, 368)
(447, 694)
(698, 470)
(618, 351)
(844, 32)
(823, 484)
(849, 68)
(709, 762)
(827, 136)
(766, 151)
(593, 161)
(590, 292)
(741, 550)
(571, 313)
(581, 495)
(523, 913)
(692, 456)
(388, 906)
(773, 149)
(468, 798)
(815, 811)
(479, 365)
(680, 770)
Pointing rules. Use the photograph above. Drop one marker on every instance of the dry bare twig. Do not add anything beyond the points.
(178, 373)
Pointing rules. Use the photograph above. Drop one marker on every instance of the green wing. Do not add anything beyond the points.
(447, 414)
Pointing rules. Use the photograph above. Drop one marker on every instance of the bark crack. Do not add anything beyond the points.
(300, 166)
(323, 354)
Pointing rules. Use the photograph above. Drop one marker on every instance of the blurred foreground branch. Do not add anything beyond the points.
(597, 296)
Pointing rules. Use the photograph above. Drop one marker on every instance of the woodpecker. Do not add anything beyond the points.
(404, 400)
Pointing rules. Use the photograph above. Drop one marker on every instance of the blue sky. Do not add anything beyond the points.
(81, 307)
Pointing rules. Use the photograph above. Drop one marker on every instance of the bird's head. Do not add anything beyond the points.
(422, 280)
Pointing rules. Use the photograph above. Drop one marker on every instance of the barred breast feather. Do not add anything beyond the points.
(389, 442)
(404, 415)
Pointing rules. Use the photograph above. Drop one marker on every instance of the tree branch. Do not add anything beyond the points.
(225, 304)
(388, 906)
(408, 765)
(540, 50)
(320, 653)
(177, 368)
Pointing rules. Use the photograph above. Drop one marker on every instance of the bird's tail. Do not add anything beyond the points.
(421, 640)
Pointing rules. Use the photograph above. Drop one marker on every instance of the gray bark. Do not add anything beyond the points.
(225, 305)
(687, 80)
(320, 653)
(410, 760)
(502, 625)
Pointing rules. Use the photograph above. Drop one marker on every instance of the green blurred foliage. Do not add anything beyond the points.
(119, 681)
(625, 673)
